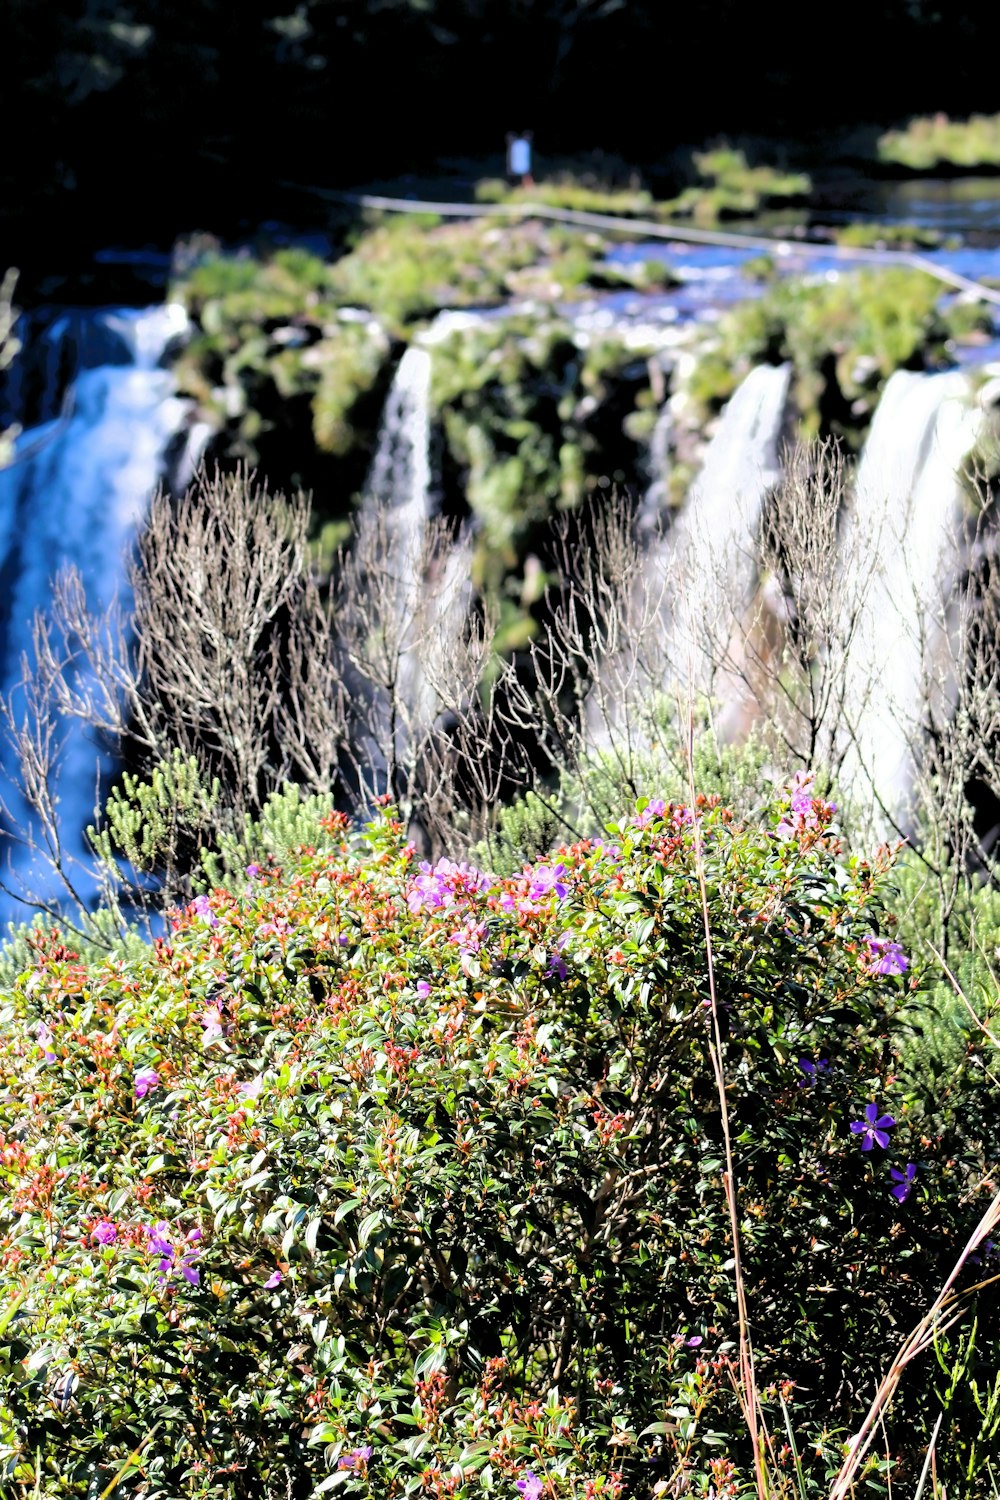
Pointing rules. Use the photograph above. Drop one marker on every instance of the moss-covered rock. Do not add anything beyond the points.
(535, 418)
(845, 336)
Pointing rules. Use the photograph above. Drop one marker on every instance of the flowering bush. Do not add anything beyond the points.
(404, 1178)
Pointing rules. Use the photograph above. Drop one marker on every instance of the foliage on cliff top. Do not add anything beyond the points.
(933, 141)
(332, 1185)
(845, 335)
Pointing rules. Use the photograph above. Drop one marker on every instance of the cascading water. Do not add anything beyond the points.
(901, 570)
(74, 494)
(697, 580)
(706, 560)
(400, 477)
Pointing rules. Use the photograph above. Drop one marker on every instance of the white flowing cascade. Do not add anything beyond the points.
(902, 543)
(398, 506)
(707, 559)
(74, 494)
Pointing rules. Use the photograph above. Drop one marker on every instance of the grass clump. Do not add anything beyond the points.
(888, 237)
(934, 141)
(731, 189)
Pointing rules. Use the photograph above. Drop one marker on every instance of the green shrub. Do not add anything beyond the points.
(931, 141)
(845, 337)
(408, 1178)
(733, 189)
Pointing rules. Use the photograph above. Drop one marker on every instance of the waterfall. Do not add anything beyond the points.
(706, 561)
(400, 477)
(682, 632)
(74, 494)
(392, 545)
(900, 573)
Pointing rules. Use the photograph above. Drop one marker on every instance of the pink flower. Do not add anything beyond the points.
(275, 1279)
(530, 1486)
(146, 1080)
(45, 1040)
(423, 988)
(202, 907)
(211, 1019)
(654, 809)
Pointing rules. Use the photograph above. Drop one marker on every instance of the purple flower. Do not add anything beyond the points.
(873, 1128)
(188, 1268)
(548, 880)
(275, 1279)
(355, 1458)
(423, 988)
(158, 1241)
(812, 1070)
(530, 1486)
(252, 871)
(885, 957)
(146, 1080)
(468, 938)
(904, 1182)
(441, 884)
(252, 1089)
(557, 967)
(104, 1232)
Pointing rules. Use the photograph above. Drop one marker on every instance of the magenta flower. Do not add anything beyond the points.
(423, 988)
(275, 1279)
(874, 1128)
(104, 1232)
(252, 1089)
(530, 1486)
(904, 1182)
(885, 957)
(146, 1080)
(253, 871)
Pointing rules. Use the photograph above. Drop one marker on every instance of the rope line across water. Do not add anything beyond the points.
(652, 229)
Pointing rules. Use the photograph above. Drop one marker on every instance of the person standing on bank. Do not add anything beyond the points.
(519, 157)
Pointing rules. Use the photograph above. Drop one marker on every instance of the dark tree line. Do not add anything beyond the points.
(129, 118)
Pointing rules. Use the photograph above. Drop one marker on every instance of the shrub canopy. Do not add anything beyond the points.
(405, 1177)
